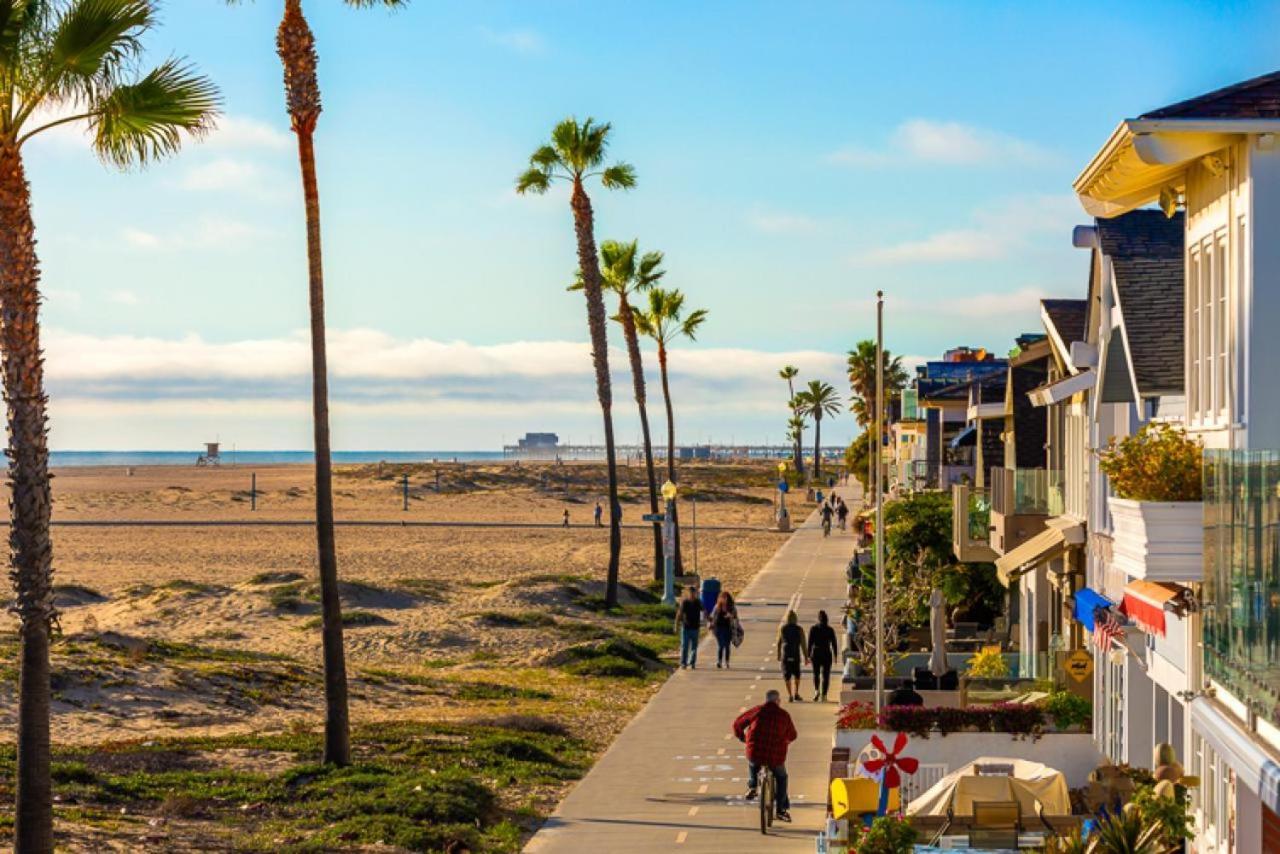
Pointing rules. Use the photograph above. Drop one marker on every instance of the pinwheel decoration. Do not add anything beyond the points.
(892, 764)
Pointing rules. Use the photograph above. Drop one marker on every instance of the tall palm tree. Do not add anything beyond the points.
(296, 47)
(816, 401)
(626, 272)
(789, 373)
(862, 389)
(75, 60)
(664, 321)
(576, 154)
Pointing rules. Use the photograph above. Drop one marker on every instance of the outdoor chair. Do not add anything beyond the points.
(996, 824)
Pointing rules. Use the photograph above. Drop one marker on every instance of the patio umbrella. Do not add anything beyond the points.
(938, 633)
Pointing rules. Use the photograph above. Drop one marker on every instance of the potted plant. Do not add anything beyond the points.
(1156, 508)
(1068, 712)
(888, 834)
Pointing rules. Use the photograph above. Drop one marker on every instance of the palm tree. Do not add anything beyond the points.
(75, 60)
(624, 275)
(817, 400)
(789, 373)
(664, 321)
(296, 47)
(862, 389)
(576, 153)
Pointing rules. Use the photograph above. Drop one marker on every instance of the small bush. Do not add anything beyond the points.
(275, 578)
(988, 664)
(921, 721)
(351, 618)
(856, 715)
(1066, 709)
(608, 665)
(888, 834)
(1158, 463)
(519, 620)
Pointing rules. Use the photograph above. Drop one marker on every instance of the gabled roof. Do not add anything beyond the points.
(1067, 316)
(1258, 98)
(1146, 252)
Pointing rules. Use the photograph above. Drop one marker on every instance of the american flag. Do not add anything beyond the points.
(1106, 629)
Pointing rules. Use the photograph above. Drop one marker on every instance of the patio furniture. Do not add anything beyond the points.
(996, 824)
(1030, 784)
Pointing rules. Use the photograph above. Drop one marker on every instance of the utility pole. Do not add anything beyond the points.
(879, 533)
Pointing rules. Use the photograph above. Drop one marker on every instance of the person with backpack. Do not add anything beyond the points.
(724, 623)
(790, 650)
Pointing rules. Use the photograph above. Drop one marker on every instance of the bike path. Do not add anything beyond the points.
(675, 776)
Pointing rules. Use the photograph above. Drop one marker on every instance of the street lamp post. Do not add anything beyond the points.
(784, 518)
(669, 544)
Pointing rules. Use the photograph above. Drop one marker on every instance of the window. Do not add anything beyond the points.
(1193, 332)
(1209, 330)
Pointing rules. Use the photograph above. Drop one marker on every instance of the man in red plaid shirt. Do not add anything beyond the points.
(767, 730)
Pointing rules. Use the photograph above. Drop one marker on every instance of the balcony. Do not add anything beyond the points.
(971, 524)
(1021, 501)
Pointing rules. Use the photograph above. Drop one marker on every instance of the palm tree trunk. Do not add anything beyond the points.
(588, 261)
(798, 455)
(671, 452)
(30, 549)
(817, 448)
(637, 381)
(296, 47)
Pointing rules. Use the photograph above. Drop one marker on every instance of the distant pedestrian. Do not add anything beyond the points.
(688, 622)
(790, 650)
(842, 513)
(831, 482)
(599, 514)
(826, 512)
(723, 620)
(823, 650)
(566, 517)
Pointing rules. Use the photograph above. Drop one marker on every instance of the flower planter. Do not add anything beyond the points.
(1158, 540)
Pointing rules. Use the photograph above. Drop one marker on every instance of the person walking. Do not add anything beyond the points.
(566, 517)
(823, 650)
(688, 622)
(724, 620)
(599, 514)
(791, 649)
(768, 731)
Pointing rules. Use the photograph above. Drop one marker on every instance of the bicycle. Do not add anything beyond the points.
(767, 805)
(826, 527)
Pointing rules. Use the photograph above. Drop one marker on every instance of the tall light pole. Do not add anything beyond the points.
(879, 533)
(669, 544)
(784, 518)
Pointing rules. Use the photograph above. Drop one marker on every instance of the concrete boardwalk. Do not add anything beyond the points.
(675, 776)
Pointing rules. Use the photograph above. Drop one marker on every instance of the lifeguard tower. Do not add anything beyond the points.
(211, 455)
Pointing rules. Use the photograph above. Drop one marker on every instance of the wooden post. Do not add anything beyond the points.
(694, 502)
(405, 483)
(253, 491)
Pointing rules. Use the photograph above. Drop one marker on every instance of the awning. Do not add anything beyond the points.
(1060, 535)
(1056, 392)
(1086, 602)
(966, 437)
(1146, 601)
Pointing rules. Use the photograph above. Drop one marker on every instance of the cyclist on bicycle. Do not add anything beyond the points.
(826, 512)
(767, 730)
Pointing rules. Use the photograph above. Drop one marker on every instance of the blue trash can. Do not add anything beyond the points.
(710, 593)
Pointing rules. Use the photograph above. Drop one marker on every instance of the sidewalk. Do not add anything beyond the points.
(675, 776)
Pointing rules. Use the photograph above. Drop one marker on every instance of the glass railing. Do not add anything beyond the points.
(1026, 492)
(1241, 603)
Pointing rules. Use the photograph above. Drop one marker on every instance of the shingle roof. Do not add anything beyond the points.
(1146, 251)
(1258, 98)
(1067, 317)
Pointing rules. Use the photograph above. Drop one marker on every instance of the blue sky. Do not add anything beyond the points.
(792, 159)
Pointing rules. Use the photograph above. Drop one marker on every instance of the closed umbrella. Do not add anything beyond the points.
(938, 633)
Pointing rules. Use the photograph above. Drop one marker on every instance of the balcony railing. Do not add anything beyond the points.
(1026, 492)
(971, 524)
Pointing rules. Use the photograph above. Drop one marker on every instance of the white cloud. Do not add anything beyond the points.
(241, 132)
(924, 141)
(781, 222)
(63, 298)
(997, 231)
(123, 297)
(222, 174)
(207, 233)
(523, 41)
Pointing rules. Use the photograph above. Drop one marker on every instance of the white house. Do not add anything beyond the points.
(1218, 157)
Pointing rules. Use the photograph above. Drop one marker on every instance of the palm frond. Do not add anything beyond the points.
(649, 272)
(545, 158)
(136, 123)
(16, 18)
(580, 146)
(533, 180)
(96, 38)
(621, 176)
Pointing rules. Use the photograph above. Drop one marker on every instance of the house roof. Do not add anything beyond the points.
(1258, 98)
(1067, 317)
(1146, 251)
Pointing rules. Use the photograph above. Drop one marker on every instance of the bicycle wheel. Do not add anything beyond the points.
(766, 800)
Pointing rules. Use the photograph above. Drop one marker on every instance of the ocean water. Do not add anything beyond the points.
(67, 459)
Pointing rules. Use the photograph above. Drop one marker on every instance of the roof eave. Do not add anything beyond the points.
(1144, 155)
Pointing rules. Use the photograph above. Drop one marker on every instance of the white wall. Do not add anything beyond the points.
(1261, 295)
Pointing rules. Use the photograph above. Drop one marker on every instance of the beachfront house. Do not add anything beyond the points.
(1217, 157)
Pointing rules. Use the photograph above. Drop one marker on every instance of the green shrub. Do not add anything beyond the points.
(988, 663)
(888, 834)
(1066, 709)
(608, 665)
(1158, 463)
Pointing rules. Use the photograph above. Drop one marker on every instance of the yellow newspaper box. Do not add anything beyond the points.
(855, 796)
